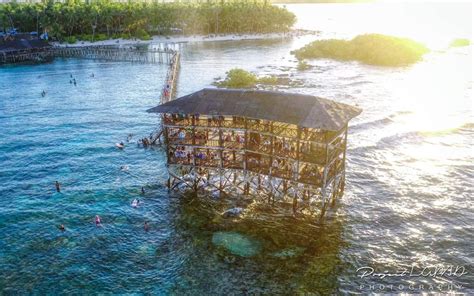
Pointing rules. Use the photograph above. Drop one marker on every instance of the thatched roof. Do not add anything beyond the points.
(302, 110)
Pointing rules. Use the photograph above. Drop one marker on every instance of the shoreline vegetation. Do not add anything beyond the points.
(372, 49)
(101, 20)
(178, 38)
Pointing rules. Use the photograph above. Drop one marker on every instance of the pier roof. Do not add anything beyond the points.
(302, 110)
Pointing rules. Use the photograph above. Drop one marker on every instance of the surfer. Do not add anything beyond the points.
(135, 203)
(97, 220)
(58, 186)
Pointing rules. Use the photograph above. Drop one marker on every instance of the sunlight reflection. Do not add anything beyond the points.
(443, 203)
(435, 227)
(436, 93)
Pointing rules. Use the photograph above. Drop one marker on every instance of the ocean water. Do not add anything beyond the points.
(407, 203)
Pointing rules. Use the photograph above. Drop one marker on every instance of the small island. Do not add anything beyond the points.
(460, 42)
(372, 49)
(240, 78)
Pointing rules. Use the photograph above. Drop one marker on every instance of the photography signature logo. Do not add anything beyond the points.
(445, 273)
(428, 271)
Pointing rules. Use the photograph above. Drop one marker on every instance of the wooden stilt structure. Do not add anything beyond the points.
(273, 147)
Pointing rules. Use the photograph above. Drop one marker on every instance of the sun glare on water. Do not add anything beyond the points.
(438, 93)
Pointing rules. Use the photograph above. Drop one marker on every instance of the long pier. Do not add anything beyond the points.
(169, 91)
(26, 55)
(160, 54)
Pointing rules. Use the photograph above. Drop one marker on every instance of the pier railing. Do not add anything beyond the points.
(118, 53)
(160, 54)
(26, 55)
(169, 91)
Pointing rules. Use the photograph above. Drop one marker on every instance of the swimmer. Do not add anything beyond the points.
(120, 145)
(146, 227)
(143, 190)
(135, 203)
(58, 186)
(43, 93)
(97, 220)
(129, 137)
(124, 168)
(61, 227)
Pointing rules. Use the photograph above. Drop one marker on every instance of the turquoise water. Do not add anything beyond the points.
(408, 198)
(69, 136)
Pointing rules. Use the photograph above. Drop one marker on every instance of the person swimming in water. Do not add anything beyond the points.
(146, 227)
(143, 190)
(124, 168)
(58, 186)
(97, 221)
(43, 93)
(61, 227)
(135, 203)
(120, 145)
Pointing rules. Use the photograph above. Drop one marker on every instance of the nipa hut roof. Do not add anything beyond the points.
(302, 110)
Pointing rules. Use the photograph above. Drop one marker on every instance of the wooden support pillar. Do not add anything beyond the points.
(295, 200)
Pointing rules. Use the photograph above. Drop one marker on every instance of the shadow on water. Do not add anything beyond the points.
(257, 253)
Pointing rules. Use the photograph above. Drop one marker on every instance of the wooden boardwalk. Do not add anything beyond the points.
(26, 55)
(159, 54)
(118, 53)
(169, 91)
